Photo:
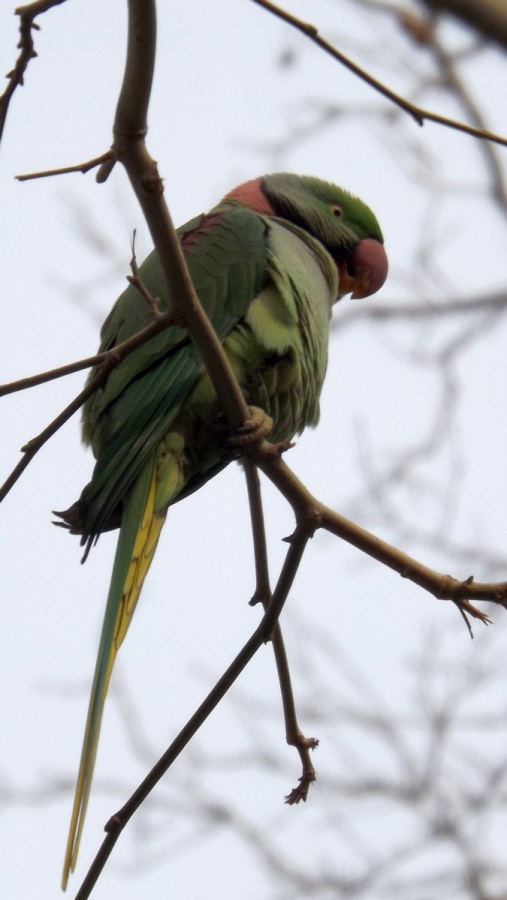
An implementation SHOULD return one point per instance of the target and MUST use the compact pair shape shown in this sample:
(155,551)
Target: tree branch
(311,515)
(293,734)
(67,170)
(129,148)
(419,114)
(26,46)
(106,362)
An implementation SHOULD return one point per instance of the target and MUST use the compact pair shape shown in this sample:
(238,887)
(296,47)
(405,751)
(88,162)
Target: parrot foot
(256,427)
(72,518)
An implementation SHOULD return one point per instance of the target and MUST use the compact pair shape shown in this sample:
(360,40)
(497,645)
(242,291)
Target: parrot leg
(256,427)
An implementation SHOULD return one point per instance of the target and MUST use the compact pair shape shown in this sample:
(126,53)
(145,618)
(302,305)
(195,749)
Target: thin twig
(34,444)
(419,114)
(107,362)
(293,734)
(26,46)
(153,303)
(33,380)
(262,583)
(311,514)
(66,170)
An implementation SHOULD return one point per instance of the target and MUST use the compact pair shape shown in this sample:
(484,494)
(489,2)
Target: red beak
(364,271)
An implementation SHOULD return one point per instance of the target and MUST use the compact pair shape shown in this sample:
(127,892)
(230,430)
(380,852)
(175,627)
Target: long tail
(139,533)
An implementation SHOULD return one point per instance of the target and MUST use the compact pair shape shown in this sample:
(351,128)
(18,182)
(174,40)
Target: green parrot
(268,262)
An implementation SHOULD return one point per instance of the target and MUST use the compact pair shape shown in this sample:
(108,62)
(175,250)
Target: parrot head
(341,222)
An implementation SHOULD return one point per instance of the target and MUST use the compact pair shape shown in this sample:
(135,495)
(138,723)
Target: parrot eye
(336,210)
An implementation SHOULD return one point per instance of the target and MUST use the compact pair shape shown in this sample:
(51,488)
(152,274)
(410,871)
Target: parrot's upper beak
(364,271)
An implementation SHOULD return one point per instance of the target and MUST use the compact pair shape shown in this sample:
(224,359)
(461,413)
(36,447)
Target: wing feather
(226,255)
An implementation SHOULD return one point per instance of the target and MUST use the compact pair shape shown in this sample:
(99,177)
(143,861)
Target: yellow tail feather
(142,552)
(142,555)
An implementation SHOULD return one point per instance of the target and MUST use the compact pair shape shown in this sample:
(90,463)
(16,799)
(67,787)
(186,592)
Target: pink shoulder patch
(192,238)
(251,195)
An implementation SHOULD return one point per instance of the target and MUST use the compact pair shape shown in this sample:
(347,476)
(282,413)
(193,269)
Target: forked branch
(311,515)
(293,734)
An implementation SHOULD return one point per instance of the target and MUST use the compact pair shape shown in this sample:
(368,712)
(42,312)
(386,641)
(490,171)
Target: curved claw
(254,429)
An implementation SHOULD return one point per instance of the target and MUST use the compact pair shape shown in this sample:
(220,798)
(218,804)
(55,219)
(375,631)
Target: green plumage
(267,264)
(227,262)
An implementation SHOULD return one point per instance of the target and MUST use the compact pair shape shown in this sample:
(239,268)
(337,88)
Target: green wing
(227,258)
